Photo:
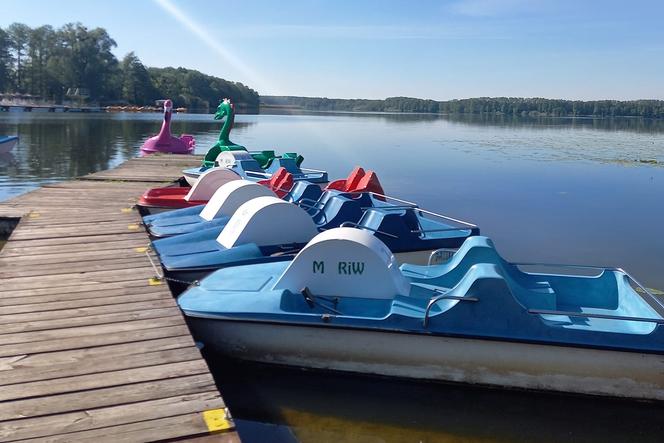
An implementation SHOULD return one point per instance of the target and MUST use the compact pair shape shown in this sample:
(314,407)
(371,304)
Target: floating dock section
(92,347)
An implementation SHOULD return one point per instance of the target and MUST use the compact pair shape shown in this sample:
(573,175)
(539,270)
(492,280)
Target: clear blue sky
(572,49)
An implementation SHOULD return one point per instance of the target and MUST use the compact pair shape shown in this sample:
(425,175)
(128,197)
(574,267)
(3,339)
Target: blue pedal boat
(344,304)
(247,167)
(223,203)
(267,229)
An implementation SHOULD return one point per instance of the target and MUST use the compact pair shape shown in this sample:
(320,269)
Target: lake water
(582,191)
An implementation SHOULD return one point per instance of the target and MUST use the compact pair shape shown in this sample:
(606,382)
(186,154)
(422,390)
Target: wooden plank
(103,379)
(116,395)
(88,320)
(138,274)
(97,365)
(148,331)
(102,418)
(78,357)
(82,332)
(169,428)
(73,292)
(78,311)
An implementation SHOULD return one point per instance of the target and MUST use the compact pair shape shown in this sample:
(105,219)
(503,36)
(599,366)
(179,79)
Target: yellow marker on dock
(154,281)
(34,215)
(126,210)
(132,227)
(142,250)
(217,420)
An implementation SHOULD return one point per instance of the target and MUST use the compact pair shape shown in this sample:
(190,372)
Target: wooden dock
(90,347)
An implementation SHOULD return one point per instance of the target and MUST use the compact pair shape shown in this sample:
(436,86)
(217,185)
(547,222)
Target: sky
(571,49)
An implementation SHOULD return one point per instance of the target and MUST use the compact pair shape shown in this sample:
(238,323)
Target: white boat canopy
(345,262)
(267,221)
(231,195)
(209,182)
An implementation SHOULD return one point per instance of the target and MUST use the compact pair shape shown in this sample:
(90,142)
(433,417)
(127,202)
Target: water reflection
(323,407)
(55,147)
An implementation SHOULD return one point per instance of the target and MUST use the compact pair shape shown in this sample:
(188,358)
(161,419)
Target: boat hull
(495,363)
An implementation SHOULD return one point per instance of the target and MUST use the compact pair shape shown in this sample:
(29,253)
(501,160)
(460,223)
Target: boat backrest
(369,183)
(238,160)
(336,210)
(348,183)
(267,221)
(396,227)
(345,262)
(303,189)
(208,183)
(290,164)
(280,182)
(230,196)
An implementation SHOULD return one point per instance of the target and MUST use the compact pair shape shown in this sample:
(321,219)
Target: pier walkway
(91,346)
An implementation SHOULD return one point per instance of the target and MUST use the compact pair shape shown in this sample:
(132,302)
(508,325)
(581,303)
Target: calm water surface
(554,190)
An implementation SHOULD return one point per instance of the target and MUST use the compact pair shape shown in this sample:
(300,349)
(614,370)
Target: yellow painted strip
(154,281)
(125,210)
(217,420)
(132,227)
(142,250)
(34,215)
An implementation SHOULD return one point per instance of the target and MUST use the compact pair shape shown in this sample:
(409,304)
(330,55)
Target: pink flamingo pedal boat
(164,141)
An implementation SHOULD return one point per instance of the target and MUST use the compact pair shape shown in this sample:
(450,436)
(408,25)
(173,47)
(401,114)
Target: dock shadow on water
(288,405)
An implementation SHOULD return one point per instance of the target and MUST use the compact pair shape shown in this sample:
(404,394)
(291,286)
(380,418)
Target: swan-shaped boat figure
(344,304)
(164,141)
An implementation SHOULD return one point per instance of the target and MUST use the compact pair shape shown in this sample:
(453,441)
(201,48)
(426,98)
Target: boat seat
(281,182)
(303,190)
(336,210)
(368,183)
(349,183)
(264,158)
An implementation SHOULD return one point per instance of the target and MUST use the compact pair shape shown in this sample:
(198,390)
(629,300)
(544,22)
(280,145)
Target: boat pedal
(218,420)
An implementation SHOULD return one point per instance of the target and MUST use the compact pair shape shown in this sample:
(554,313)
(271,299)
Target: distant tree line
(485,105)
(53,64)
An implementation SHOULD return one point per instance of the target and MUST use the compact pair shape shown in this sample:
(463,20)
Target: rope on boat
(161,277)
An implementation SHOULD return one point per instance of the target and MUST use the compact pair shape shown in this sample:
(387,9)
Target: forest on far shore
(483,105)
(76,63)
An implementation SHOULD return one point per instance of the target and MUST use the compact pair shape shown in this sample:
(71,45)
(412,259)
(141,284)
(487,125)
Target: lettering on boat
(343,267)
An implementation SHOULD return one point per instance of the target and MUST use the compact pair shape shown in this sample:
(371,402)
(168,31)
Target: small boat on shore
(7,143)
(344,304)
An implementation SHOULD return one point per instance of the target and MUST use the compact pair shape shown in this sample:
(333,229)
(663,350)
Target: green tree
(19,35)
(137,85)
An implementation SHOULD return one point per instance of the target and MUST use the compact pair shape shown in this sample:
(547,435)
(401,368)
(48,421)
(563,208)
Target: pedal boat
(217,213)
(163,200)
(344,304)
(251,165)
(267,229)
